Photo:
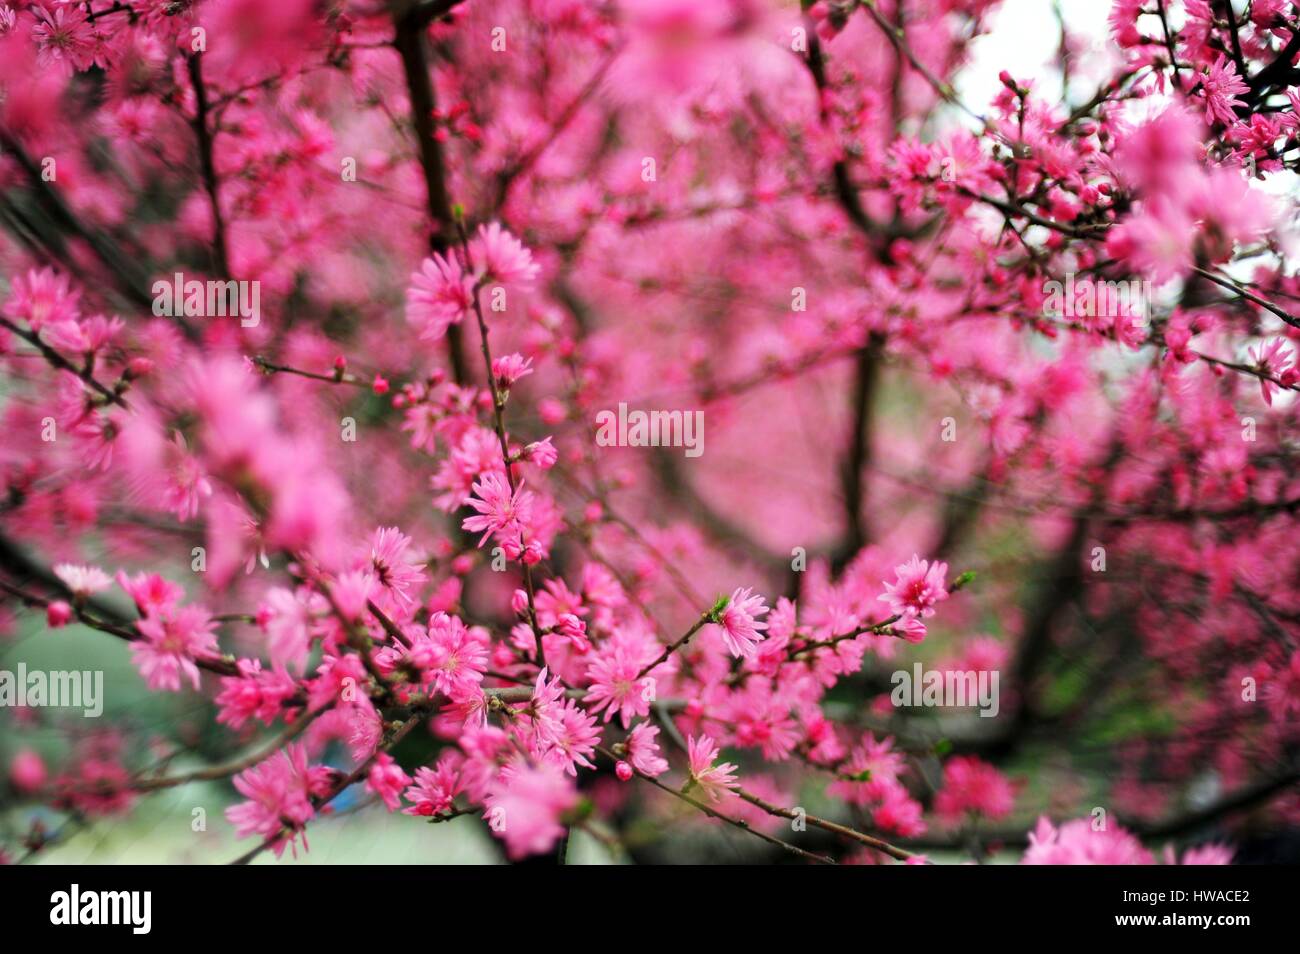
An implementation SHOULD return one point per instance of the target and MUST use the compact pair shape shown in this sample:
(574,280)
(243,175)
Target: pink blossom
(387,780)
(500,257)
(278,797)
(435,789)
(151,592)
(27,772)
(451,659)
(64,37)
(740,628)
(713,780)
(918,587)
(500,511)
(439,295)
(508,369)
(287,624)
(254,694)
(57,614)
(574,741)
(971,786)
(643,750)
(616,684)
(542,453)
(83,581)
(524,807)
(391,564)
(172,642)
(1272,361)
(1080,842)
(1220,87)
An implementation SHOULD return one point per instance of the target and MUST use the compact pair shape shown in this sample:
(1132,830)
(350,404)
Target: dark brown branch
(409,42)
(207,164)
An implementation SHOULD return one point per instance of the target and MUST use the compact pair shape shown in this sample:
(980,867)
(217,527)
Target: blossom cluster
(373,537)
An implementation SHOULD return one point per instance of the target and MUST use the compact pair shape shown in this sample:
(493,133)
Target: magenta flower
(740,628)
(524,805)
(440,294)
(1273,361)
(615,686)
(151,592)
(918,587)
(500,512)
(386,779)
(974,787)
(713,780)
(173,641)
(393,568)
(643,750)
(509,368)
(278,794)
(435,789)
(500,257)
(83,581)
(1220,86)
(1077,842)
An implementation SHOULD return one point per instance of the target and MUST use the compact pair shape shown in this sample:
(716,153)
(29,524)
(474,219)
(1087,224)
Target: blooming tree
(311,308)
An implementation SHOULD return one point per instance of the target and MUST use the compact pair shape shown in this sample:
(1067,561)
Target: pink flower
(525,804)
(83,337)
(1220,87)
(574,630)
(64,36)
(386,779)
(440,295)
(918,587)
(58,614)
(286,622)
(83,581)
(1210,854)
(1157,239)
(643,750)
(899,813)
(509,368)
(448,655)
(172,642)
(499,256)
(254,694)
(541,453)
(615,686)
(1077,842)
(974,787)
(435,789)
(151,592)
(574,741)
(911,629)
(500,511)
(872,768)
(278,797)
(351,593)
(713,780)
(392,567)
(740,630)
(1273,360)
(27,771)
(545,710)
